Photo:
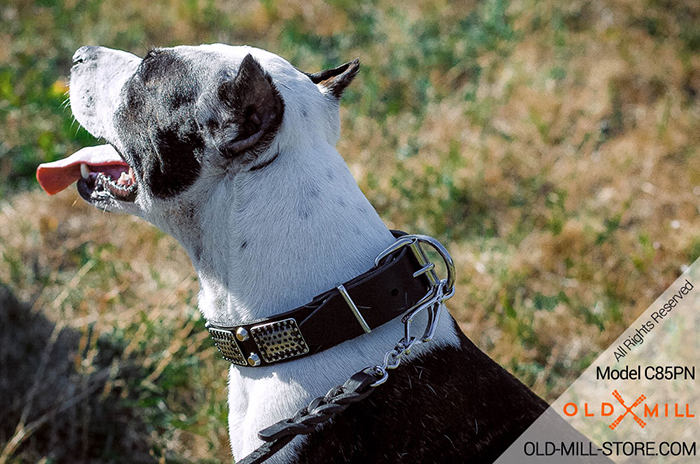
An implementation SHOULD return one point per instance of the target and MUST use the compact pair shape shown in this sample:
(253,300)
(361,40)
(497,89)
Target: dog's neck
(278,236)
(272,240)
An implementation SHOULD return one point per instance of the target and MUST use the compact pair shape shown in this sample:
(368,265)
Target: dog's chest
(257,403)
(260,397)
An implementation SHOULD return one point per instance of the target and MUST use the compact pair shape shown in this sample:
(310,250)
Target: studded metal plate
(279,340)
(225,341)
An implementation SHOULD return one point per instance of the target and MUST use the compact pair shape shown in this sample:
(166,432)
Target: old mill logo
(647,411)
(628,410)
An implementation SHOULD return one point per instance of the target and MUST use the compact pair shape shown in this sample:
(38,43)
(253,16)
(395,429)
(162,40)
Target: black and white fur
(233,154)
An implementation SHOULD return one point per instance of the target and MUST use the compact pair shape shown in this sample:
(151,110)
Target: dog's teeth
(84,170)
(124,179)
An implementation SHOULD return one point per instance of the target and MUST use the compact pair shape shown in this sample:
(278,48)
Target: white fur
(307,228)
(280,270)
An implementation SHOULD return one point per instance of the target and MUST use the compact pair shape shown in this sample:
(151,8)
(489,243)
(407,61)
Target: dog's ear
(254,106)
(335,81)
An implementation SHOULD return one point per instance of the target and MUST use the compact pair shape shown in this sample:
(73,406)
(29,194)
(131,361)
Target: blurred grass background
(552,146)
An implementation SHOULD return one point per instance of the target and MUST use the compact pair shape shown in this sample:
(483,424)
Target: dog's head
(181,120)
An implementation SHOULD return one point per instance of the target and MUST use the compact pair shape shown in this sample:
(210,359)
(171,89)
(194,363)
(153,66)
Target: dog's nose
(85,53)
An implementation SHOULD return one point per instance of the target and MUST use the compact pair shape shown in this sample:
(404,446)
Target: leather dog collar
(396,284)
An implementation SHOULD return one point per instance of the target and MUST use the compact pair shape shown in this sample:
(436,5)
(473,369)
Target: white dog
(231,151)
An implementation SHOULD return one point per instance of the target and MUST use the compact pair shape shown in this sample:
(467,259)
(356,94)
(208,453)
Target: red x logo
(628,410)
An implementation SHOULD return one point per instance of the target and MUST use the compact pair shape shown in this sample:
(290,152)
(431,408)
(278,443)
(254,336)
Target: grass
(553,148)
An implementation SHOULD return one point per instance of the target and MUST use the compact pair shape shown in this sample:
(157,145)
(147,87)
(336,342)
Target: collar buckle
(440,289)
(414,243)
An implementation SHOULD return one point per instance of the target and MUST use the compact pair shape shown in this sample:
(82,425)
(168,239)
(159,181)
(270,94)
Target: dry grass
(553,149)
(118,281)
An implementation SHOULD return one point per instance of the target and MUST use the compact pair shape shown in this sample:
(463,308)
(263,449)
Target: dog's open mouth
(100,171)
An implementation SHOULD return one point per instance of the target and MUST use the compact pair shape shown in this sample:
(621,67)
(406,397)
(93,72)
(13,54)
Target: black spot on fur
(162,141)
(197,251)
(303,208)
(312,190)
(362,210)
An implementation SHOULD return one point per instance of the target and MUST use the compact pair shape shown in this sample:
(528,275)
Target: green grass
(553,148)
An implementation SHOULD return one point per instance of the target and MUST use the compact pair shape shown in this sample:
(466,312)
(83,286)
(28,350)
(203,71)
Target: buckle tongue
(414,243)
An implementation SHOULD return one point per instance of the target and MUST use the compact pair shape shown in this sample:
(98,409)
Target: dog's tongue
(56,176)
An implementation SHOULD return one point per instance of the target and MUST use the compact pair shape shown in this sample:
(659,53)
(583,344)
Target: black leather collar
(348,311)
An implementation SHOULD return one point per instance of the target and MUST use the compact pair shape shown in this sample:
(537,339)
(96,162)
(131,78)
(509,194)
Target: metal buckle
(440,289)
(414,242)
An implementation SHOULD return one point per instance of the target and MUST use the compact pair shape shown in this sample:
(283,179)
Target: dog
(231,150)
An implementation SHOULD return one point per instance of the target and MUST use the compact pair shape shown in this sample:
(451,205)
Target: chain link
(392,358)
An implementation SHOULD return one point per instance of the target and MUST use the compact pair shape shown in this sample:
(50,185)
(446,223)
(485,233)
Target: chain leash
(361,384)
